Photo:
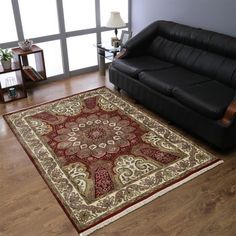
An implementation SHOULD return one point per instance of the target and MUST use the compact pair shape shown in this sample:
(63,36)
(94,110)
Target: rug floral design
(103,157)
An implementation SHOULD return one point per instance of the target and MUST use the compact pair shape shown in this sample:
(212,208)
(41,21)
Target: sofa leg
(117,88)
(169,122)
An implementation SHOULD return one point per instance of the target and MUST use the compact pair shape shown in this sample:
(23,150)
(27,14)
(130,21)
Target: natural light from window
(8,29)
(39,20)
(53,57)
(79,14)
(81,51)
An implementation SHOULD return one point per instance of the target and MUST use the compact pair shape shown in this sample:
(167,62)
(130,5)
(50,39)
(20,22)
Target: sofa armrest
(121,54)
(230,113)
(138,44)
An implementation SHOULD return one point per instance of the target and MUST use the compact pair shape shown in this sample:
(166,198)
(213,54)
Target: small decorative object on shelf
(12,92)
(116,43)
(125,36)
(113,40)
(6,56)
(26,44)
(10,83)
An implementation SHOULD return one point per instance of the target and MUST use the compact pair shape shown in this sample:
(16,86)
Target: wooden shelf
(19,51)
(23,72)
(14,67)
(19,92)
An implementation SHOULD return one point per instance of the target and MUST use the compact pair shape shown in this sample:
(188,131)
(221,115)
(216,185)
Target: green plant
(5,54)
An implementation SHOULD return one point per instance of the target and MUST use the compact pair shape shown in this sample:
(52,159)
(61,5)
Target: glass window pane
(82,51)
(113,5)
(79,14)
(107,35)
(39,18)
(52,57)
(8,28)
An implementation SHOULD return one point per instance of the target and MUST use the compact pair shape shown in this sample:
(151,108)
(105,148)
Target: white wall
(216,15)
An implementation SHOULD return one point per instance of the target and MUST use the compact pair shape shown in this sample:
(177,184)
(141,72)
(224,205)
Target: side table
(105,51)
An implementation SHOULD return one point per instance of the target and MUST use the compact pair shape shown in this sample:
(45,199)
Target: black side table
(105,51)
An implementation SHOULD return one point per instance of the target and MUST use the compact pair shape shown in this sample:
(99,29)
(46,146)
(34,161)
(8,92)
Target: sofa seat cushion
(133,66)
(210,98)
(165,81)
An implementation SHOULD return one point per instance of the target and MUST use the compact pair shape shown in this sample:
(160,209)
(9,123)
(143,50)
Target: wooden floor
(204,206)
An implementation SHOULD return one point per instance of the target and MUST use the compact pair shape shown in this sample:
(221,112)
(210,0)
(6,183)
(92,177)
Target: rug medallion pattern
(100,155)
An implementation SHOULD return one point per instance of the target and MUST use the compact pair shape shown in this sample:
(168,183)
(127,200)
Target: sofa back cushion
(201,51)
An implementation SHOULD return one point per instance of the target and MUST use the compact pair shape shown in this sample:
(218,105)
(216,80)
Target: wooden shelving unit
(21,72)
(30,73)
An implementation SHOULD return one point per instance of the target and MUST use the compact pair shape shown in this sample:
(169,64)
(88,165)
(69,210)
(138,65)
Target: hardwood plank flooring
(204,206)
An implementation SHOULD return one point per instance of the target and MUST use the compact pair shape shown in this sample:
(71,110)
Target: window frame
(63,35)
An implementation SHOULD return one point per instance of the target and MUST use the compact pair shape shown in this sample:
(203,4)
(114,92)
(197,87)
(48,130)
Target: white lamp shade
(115,21)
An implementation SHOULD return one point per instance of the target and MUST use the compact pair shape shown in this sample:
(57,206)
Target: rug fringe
(149,199)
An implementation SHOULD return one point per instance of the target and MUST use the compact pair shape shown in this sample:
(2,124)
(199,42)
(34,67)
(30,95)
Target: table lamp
(115,21)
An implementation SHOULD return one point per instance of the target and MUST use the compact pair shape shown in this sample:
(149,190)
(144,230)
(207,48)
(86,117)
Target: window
(79,14)
(8,29)
(66,30)
(81,51)
(39,18)
(53,57)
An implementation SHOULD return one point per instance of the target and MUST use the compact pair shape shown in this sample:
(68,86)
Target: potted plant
(6,56)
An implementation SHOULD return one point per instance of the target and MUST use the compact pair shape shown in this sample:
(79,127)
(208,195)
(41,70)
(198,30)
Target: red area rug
(102,157)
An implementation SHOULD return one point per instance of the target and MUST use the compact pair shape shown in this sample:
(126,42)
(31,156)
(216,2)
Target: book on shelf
(32,73)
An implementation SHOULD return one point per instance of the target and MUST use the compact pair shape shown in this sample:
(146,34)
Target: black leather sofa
(185,74)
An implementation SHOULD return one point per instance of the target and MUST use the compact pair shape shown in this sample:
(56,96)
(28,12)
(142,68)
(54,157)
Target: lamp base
(115,42)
